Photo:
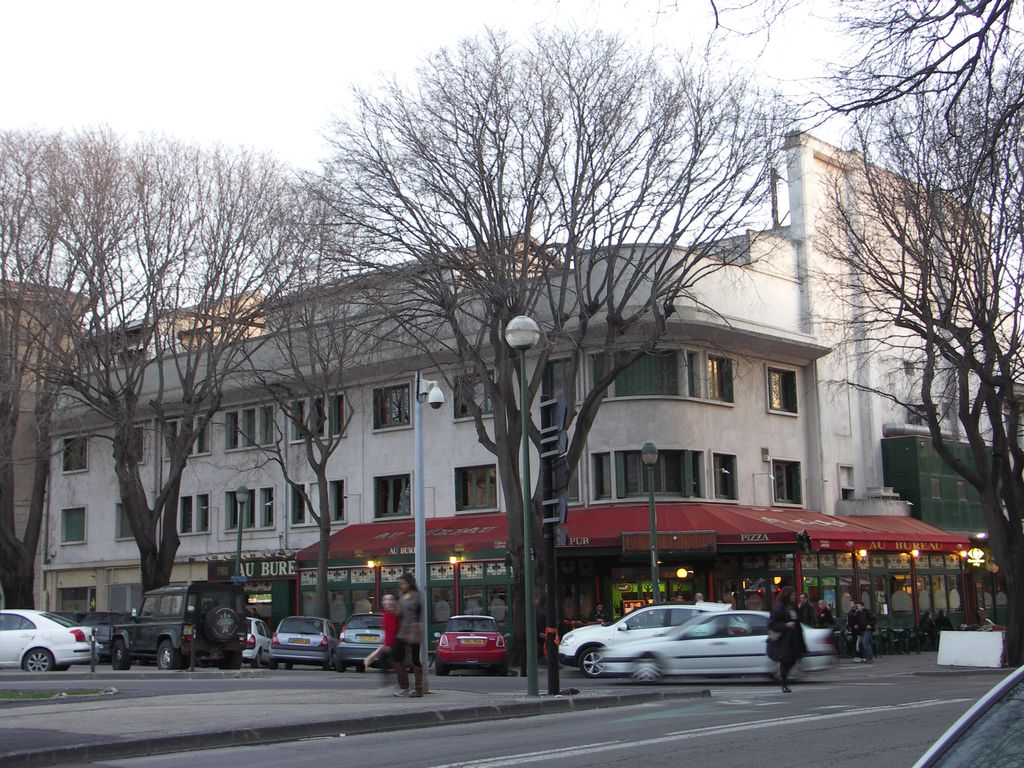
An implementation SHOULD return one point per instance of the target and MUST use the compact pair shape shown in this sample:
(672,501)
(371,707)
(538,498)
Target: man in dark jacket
(807,611)
(865,622)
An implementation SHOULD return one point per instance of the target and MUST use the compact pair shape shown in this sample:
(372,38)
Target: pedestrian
(864,630)
(598,614)
(785,636)
(928,629)
(807,611)
(825,617)
(698,597)
(407,640)
(942,622)
(391,622)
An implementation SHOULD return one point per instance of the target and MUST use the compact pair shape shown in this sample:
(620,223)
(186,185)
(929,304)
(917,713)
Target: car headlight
(567,641)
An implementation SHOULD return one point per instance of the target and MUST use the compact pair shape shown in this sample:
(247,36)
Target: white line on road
(731,728)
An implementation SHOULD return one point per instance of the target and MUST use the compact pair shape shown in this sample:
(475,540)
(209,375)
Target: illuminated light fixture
(682,573)
(862,553)
(963,553)
(981,535)
(976,556)
(371,563)
(915,553)
(776,580)
(453,559)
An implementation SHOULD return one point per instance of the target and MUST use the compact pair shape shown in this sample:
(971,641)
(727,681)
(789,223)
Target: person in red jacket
(389,614)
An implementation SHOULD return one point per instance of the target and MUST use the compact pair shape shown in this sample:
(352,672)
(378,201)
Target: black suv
(206,618)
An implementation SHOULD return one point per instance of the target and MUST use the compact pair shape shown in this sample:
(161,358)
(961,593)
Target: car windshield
(471,625)
(995,738)
(63,621)
(365,622)
(301,625)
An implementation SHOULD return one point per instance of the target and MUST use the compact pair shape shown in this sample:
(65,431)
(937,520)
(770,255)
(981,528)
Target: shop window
(473,600)
(75,598)
(72,525)
(497,602)
(469,391)
(936,484)
(442,600)
(124,597)
(782,390)
(476,488)
(724,468)
(961,490)
(391,406)
(75,454)
(787,483)
(391,496)
(720,379)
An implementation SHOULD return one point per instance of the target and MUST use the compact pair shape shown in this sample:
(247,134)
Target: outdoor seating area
(887,641)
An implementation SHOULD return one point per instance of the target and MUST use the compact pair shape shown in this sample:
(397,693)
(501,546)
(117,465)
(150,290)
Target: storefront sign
(750,537)
(252,569)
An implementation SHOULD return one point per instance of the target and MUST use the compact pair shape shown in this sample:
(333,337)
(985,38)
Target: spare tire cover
(221,623)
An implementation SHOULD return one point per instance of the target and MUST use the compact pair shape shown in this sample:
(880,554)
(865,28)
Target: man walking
(864,629)
(807,611)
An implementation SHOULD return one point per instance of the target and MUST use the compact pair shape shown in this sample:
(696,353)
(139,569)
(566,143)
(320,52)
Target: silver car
(724,643)
(257,643)
(303,640)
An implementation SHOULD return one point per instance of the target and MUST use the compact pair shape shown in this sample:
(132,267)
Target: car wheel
(648,670)
(360,667)
(339,666)
(501,670)
(271,663)
(167,656)
(590,661)
(440,669)
(287,665)
(37,660)
(119,658)
(328,665)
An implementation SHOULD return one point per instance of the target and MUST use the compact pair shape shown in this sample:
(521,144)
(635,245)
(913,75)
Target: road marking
(583,750)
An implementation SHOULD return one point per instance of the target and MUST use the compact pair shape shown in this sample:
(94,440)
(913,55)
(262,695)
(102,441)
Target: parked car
(75,616)
(582,648)
(361,634)
(38,641)
(204,618)
(471,642)
(303,640)
(257,643)
(723,643)
(988,733)
(101,622)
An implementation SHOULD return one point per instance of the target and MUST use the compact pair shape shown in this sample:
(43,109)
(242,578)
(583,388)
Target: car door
(16,632)
(743,651)
(697,646)
(643,625)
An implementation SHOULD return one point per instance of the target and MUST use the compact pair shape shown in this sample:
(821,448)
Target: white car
(726,643)
(38,641)
(257,643)
(582,648)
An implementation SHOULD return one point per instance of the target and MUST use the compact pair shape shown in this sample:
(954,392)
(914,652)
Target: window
(266,507)
(337,501)
(602,476)
(299,513)
(724,467)
(961,489)
(72,525)
(936,488)
(390,406)
(248,427)
(692,374)
(336,417)
(124,528)
(787,482)
(194,513)
(655,373)
(469,390)
(201,444)
(846,486)
(75,455)
(391,496)
(231,511)
(476,488)
(677,473)
(720,378)
(559,381)
(782,390)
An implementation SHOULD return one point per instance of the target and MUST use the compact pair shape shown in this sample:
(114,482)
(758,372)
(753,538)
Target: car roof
(470,616)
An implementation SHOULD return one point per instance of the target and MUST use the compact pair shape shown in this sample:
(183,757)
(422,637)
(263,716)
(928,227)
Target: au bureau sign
(254,569)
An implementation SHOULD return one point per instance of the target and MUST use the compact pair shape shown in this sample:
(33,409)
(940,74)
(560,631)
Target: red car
(471,642)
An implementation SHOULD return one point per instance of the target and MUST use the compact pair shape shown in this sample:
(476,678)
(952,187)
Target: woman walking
(785,637)
(407,641)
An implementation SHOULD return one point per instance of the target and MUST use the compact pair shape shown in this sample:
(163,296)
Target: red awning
(603,527)
(445,535)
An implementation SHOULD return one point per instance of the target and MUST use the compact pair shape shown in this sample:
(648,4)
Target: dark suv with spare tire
(205,618)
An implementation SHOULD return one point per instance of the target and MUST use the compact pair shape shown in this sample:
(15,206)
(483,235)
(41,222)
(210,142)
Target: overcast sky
(271,74)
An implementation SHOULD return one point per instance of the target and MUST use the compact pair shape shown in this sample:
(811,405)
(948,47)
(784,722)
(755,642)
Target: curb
(143,674)
(236,737)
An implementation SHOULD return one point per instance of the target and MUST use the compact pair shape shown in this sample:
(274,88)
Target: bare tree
(32,281)
(176,249)
(575,180)
(928,231)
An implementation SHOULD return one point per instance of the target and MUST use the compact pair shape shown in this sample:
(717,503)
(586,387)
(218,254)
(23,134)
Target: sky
(270,75)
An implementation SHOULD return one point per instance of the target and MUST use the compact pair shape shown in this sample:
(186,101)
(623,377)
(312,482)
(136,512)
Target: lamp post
(241,499)
(426,389)
(521,334)
(649,456)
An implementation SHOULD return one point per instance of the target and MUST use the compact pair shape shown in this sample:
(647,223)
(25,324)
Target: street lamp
(649,456)
(521,334)
(426,390)
(241,499)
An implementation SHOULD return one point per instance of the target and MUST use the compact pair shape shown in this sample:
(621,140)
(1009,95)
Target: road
(887,718)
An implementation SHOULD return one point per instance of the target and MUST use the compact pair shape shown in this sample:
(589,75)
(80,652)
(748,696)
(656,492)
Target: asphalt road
(885,719)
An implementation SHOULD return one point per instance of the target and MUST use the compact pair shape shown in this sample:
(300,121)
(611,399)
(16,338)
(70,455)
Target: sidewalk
(106,727)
